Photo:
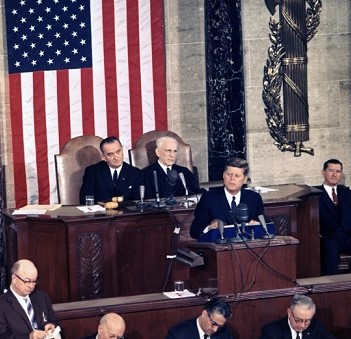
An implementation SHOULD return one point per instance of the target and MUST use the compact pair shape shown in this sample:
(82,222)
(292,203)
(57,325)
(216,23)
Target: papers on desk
(174,295)
(262,189)
(36,209)
(90,209)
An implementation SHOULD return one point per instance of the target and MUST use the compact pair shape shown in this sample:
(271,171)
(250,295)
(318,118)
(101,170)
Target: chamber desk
(88,256)
(124,252)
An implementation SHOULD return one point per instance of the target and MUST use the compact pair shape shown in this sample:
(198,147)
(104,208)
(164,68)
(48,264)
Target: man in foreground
(111,325)
(209,324)
(298,324)
(24,311)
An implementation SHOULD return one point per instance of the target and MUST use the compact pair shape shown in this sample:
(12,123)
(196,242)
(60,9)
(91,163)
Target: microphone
(240,216)
(221,240)
(157,193)
(172,177)
(242,213)
(182,179)
(267,235)
(141,204)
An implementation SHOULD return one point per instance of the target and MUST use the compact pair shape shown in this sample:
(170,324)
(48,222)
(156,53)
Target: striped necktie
(30,312)
(335,197)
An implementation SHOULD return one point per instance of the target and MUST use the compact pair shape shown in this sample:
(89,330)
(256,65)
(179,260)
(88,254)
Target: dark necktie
(335,197)
(31,313)
(233,204)
(298,335)
(167,170)
(115,178)
(205,336)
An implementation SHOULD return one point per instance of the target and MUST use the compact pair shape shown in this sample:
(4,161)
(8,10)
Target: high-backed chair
(143,154)
(75,156)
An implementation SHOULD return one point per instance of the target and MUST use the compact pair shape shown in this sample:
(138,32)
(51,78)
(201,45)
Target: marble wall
(329,94)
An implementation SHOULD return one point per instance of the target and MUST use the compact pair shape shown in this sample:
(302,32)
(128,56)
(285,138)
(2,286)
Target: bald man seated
(111,325)
(25,312)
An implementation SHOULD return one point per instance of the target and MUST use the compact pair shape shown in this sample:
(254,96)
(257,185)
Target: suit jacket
(334,220)
(14,323)
(280,330)
(214,205)
(164,188)
(97,181)
(188,330)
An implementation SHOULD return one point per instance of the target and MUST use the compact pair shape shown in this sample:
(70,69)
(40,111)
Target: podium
(258,265)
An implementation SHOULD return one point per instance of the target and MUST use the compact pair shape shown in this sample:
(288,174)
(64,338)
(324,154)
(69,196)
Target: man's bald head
(111,324)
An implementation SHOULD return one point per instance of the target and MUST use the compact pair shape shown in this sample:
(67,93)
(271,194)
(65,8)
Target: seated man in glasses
(26,312)
(298,324)
(111,325)
(209,324)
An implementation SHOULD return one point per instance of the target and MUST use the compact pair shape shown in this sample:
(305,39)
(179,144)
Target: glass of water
(179,287)
(89,200)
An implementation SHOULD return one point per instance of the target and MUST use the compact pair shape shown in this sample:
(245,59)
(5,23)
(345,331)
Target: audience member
(112,176)
(298,324)
(334,217)
(219,203)
(166,151)
(111,325)
(209,324)
(24,311)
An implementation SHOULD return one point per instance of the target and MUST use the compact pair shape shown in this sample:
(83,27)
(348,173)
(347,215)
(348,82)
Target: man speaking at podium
(219,203)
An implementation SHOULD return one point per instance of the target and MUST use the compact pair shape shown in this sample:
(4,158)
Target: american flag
(80,67)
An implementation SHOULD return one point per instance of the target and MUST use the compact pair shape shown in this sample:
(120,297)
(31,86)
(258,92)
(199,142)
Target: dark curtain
(225,84)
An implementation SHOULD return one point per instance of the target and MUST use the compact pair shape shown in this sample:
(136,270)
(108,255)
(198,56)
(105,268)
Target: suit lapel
(18,308)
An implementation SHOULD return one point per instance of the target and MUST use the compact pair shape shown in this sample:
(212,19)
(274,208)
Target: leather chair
(70,164)
(143,154)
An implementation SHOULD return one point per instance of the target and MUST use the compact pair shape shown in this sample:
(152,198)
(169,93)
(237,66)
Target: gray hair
(304,301)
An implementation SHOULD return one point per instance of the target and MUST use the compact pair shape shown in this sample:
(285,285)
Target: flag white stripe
(122,67)
(99,87)
(146,67)
(75,102)
(29,148)
(52,129)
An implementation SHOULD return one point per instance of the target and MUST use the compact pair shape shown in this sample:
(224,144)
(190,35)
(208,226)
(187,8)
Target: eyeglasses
(300,321)
(213,323)
(170,151)
(27,281)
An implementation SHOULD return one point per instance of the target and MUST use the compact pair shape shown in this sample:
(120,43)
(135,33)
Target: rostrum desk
(122,252)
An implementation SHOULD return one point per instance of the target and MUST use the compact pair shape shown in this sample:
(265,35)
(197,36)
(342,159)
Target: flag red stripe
(87,101)
(110,66)
(63,107)
(40,137)
(159,64)
(134,70)
(17,140)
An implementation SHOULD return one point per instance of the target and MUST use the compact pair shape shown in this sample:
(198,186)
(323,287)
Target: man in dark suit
(334,217)
(210,323)
(220,203)
(168,185)
(111,325)
(112,176)
(299,323)
(25,312)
